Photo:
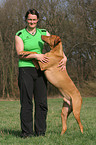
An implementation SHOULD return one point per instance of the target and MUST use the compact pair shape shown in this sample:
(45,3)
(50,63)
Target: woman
(32,81)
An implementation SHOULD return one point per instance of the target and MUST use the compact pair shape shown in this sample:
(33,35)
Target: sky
(1,1)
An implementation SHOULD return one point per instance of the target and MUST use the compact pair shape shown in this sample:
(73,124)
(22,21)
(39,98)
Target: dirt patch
(10,99)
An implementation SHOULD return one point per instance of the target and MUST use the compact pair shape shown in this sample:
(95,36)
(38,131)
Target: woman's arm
(20,47)
(62,63)
(19,44)
(47,33)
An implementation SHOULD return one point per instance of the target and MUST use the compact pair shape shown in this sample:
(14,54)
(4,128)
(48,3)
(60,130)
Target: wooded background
(73,20)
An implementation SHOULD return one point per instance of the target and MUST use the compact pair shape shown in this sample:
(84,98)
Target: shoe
(40,134)
(25,135)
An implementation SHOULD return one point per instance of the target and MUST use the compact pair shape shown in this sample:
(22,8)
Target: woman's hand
(26,55)
(62,64)
(42,58)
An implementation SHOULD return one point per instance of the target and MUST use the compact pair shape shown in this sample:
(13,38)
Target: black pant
(32,81)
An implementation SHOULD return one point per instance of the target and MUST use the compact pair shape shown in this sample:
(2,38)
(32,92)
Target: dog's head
(52,40)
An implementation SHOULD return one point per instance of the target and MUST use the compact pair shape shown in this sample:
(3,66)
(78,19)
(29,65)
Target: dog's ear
(57,40)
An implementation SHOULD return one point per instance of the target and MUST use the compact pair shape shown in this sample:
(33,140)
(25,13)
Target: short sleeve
(43,32)
(19,33)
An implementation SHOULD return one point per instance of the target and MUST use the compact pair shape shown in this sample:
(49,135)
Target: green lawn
(10,125)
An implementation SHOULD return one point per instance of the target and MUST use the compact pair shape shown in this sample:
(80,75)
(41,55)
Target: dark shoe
(25,135)
(40,134)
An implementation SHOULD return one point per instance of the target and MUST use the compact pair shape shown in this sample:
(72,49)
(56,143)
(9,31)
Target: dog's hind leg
(66,110)
(76,111)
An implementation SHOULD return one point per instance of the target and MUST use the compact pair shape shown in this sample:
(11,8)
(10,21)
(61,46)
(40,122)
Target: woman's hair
(33,12)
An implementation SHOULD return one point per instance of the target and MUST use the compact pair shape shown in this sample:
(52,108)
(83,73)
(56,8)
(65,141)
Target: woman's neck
(31,31)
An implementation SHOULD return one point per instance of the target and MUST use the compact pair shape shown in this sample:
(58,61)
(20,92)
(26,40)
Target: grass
(10,125)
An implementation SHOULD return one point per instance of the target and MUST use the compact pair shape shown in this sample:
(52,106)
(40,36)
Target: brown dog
(61,80)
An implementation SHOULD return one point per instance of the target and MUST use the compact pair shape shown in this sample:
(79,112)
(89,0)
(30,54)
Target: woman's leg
(40,98)
(26,91)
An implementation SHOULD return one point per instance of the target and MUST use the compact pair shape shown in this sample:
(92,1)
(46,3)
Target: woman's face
(32,21)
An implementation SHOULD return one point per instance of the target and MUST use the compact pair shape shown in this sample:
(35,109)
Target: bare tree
(73,20)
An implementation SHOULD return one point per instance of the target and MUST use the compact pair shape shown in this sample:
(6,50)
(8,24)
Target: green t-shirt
(32,43)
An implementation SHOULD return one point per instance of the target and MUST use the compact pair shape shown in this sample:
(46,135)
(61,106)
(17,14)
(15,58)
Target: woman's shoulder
(19,32)
(41,30)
